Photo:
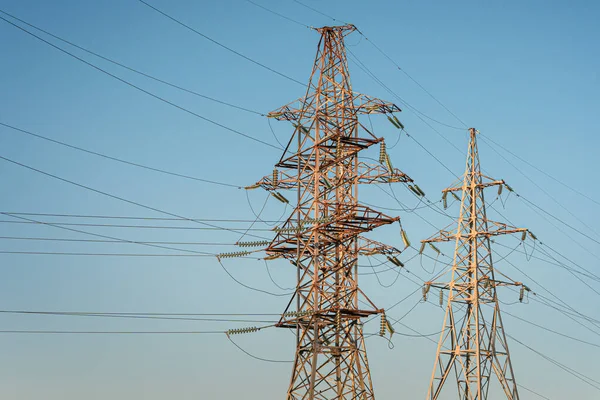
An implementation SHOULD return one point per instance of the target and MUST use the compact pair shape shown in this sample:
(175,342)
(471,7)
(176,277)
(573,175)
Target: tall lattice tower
(321,237)
(473,342)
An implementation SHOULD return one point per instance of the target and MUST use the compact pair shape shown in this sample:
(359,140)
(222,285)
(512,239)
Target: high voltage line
(14,128)
(132,69)
(181,218)
(237,132)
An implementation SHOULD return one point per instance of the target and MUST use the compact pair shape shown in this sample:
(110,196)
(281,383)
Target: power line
(256,357)
(138,87)
(133,69)
(543,172)
(131,316)
(62,312)
(42,332)
(279,15)
(250,287)
(107,237)
(50,253)
(220,44)
(96,216)
(119,159)
(552,331)
(542,190)
(109,241)
(569,370)
(112,196)
(139,226)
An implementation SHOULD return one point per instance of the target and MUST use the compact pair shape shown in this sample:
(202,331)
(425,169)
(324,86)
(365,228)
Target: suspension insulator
(445,200)
(388,162)
(389,327)
(500,190)
(422,248)
(280,197)
(275,177)
(405,238)
(425,290)
(382,324)
(395,261)
(399,124)
(382,153)
(414,190)
(441,297)
(532,235)
(419,191)
(524,235)
(521,294)
(435,248)
(393,122)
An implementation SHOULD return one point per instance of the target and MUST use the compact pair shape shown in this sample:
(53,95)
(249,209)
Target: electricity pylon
(321,236)
(473,342)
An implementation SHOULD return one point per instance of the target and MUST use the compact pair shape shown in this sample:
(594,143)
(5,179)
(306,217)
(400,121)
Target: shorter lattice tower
(472,343)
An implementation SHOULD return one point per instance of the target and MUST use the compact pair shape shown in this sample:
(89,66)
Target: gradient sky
(525,73)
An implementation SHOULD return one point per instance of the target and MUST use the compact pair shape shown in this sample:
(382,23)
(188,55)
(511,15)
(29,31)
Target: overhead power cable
(49,332)
(584,378)
(133,69)
(543,172)
(256,357)
(57,253)
(175,317)
(49,239)
(140,88)
(216,228)
(118,159)
(96,216)
(279,15)
(62,312)
(220,44)
(135,203)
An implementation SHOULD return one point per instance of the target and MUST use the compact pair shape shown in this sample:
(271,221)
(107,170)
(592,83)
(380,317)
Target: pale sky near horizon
(525,73)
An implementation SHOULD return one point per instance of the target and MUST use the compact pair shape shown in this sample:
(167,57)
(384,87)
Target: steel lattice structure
(321,236)
(473,342)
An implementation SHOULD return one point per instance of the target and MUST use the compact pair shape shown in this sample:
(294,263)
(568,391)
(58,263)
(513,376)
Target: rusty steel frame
(473,342)
(321,236)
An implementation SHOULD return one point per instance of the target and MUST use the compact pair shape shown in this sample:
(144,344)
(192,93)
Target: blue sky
(523,73)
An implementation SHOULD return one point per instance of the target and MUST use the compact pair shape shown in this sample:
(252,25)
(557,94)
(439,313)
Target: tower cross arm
(377,173)
(368,247)
(483,184)
(493,229)
(302,107)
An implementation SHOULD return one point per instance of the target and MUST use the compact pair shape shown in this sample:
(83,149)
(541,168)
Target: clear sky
(525,73)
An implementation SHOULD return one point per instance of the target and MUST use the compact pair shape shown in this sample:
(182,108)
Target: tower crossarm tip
(368,247)
(377,173)
(371,105)
(483,184)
